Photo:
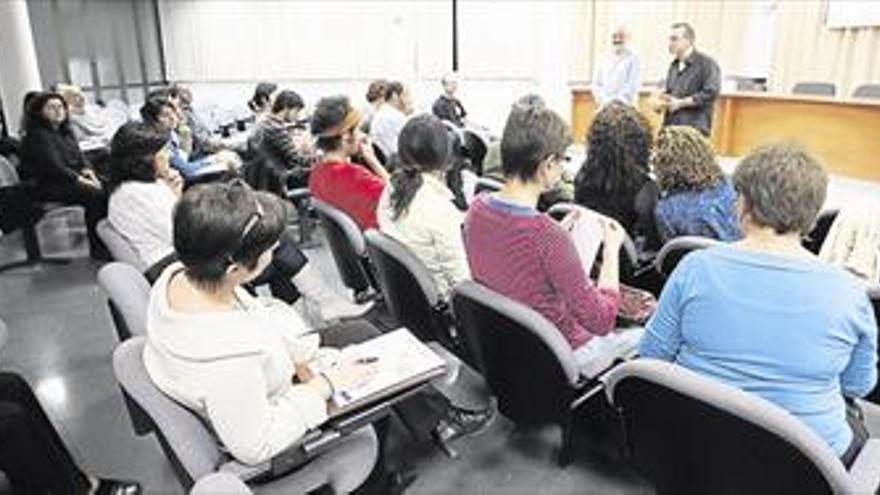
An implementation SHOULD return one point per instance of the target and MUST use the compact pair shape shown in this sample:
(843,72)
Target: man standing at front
(617,78)
(692,83)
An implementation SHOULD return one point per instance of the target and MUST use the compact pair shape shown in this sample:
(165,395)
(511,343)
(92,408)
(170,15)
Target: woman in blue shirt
(765,315)
(696,197)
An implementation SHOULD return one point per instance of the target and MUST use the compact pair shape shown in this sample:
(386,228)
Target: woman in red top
(352,188)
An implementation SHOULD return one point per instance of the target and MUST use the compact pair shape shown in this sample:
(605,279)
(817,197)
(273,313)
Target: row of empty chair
(816,88)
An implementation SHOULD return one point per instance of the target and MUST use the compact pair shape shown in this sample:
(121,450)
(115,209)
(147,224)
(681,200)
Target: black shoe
(462,422)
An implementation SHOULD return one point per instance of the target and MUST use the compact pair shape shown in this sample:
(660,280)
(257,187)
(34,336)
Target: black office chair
(487,185)
(348,248)
(688,433)
(676,249)
(17,200)
(408,290)
(814,239)
(527,362)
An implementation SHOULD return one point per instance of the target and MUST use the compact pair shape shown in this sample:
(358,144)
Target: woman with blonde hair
(696,197)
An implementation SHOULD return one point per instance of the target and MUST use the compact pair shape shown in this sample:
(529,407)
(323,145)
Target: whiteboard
(852,13)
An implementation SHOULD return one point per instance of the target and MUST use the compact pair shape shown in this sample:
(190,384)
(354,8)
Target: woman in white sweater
(228,356)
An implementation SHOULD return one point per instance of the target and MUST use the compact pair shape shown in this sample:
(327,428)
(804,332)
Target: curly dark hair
(618,151)
(684,161)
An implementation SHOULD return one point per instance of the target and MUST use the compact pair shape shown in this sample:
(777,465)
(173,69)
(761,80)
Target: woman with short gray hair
(766,315)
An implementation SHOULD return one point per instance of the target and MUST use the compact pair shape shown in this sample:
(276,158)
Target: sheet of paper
(400,357)
(587,235)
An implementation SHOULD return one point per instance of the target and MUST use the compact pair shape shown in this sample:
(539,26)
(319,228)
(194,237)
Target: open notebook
(636,305)
(402,361)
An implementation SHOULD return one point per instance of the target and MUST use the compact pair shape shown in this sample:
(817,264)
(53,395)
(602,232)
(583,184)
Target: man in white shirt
(390,118)
(619,75)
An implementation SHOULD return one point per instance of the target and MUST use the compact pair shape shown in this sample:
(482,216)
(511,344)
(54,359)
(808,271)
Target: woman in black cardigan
(52,159)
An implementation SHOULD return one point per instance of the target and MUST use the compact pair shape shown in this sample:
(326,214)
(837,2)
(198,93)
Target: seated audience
(375,97)
(33,456)
(765,315)
(163,116)
(203,142)
(141,208)
(53,160)
(92,125)
(213,347)
(615,178)
(350,187)
(261,102)
(696,197)
(522,253)
(273,139)
(417,207)
(448,107)
(390,117)
(145,190)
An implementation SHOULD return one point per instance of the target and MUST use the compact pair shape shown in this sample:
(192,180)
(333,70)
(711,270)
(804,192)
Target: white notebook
(587,235)
(402,361)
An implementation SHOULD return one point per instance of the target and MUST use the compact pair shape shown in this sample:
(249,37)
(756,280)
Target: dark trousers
(32,454)
(94,201)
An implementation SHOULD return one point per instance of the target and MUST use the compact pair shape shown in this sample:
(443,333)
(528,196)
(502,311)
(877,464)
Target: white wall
(506,48)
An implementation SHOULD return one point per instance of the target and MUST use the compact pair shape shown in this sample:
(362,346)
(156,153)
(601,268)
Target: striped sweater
(528,257)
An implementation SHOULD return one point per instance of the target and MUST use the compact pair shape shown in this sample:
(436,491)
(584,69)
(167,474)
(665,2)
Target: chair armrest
(298,193)
(314,443)
(865,471)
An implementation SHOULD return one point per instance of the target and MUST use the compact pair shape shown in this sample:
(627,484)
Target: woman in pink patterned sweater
(525,255)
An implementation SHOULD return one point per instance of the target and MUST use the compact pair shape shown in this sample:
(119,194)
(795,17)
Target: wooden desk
(844,133)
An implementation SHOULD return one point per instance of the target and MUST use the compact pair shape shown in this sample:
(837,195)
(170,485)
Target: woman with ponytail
(417,208)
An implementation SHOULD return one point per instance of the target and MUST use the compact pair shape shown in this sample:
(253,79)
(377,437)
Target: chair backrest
(525,359)
(119,246)
(485,184)
(867,91)
(692,434)
(814,88)
(191,447)
(128,297)
(816,237)
(673,251)
(347,244)
(407,286)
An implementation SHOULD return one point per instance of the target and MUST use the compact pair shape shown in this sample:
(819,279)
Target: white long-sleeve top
(142,212)
(431,229)
(235,369)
